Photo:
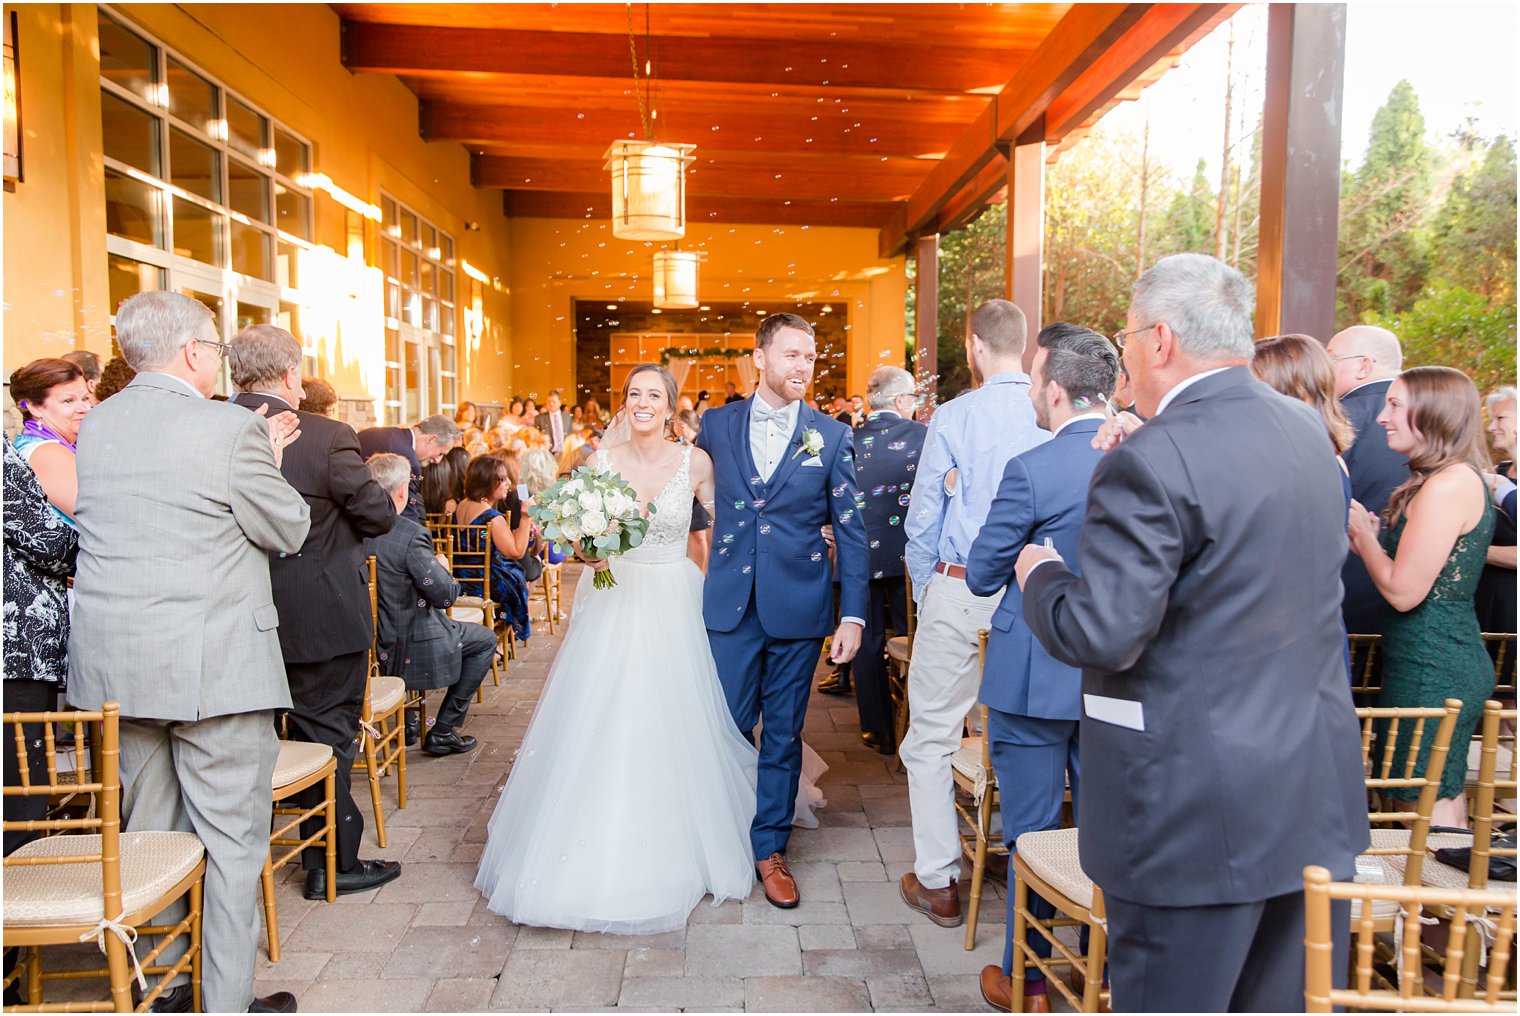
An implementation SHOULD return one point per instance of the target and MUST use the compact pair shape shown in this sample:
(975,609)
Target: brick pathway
(426,942)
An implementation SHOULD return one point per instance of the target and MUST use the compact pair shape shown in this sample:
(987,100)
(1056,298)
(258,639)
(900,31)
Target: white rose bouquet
(595,513)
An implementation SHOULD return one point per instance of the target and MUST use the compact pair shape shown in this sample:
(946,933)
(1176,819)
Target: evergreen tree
(1473,235)
(1189,222)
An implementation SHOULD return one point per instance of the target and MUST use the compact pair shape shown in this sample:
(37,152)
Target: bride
(632,794)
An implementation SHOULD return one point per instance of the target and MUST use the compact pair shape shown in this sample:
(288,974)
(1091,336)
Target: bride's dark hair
(666,377)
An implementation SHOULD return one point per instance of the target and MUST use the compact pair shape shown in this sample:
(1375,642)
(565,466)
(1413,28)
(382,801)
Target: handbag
(1500,869)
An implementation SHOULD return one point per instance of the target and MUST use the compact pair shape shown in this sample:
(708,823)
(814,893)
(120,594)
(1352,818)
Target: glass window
(445,285)
(408,227)
(246,131)
(408,269)
(251,314)
(448,392)
(429,241)
(248,190)
(412,401)
(127,277)
(134,209)
(426,283)
(195,232)
(446,319)
(392,300)
(287,265)
(294,211)
(446,250)
(392,264)
(194,166)
(292,156)
(388,214)
(429,315)
(131,135)
(392,345)
(446,356)
(192,98)
(250,251)
(126,59)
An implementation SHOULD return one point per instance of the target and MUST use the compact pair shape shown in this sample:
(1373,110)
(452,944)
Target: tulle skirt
(632,795)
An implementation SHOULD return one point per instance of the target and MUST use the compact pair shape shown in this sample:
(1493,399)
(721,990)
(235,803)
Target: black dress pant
(477,645)
(887,608)
(24,695)
(327,698)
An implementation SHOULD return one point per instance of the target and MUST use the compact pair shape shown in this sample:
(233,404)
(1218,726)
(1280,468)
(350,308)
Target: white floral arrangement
(595,513)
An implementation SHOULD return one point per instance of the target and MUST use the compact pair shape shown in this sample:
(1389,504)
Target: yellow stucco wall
(284,58)
(556,261)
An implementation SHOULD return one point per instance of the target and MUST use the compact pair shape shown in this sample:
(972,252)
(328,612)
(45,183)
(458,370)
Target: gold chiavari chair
(301,764)
(92,880)
(1047,863)
(899,652)
(1501,647)
(382,722)
(1409,903)
(1366,675)
(971,769)
(1390,758)
(469,553)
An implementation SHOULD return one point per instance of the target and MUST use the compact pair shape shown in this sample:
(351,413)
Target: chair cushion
(1392,866)
(465,612)
(385,694)
(898,647)
(46,895)
(967,759)
(298,759)
(1052,854)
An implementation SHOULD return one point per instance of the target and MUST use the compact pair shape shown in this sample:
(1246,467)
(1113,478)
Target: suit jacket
(397,441)
(1375,471)
(322,590)
(179,505)
(1043,494)
(766,540)
(1207,615)
(886,454)
(418,641)
(544,424)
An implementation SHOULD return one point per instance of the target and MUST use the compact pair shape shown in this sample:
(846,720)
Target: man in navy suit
(890,442)
(1033,701)
(783,472)
(420,445)
(1366,361)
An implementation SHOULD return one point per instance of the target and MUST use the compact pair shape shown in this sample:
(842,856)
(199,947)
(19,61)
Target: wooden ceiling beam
(410,49)
(966,205)
(814,180)
(699,211)
(482,126)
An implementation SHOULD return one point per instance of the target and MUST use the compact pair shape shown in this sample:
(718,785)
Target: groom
(783,471)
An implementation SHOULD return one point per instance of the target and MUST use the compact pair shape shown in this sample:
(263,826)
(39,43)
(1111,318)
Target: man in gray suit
(1220,750)
(180,499)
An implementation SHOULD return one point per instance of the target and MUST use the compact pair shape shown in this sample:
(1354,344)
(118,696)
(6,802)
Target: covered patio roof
(897,117)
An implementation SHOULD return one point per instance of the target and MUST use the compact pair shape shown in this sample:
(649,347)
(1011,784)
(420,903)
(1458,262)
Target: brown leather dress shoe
(997,988)
(777,882)
(942,906)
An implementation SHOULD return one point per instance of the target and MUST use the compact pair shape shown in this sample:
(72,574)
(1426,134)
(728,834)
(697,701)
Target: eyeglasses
(224,348)
(1118,337)
(1355,356)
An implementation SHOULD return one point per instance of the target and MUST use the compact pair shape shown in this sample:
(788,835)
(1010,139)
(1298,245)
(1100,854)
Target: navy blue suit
(1033,700)
(1375,471)
(397,441)
(768,599)
(886,456)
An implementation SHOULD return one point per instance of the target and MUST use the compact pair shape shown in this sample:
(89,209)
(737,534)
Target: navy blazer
(1043,494)
(1220,749)
(766,543)
(886,455)
(397,441)
(1376,470)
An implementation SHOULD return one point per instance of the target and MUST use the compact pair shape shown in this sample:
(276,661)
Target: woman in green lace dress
(1428,561)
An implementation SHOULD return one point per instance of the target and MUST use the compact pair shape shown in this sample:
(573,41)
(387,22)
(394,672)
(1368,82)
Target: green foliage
(1473,235)
(1456,327)
(970,273)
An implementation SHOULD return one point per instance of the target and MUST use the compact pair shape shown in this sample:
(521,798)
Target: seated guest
(1496,588)
(512,420)
(442,485)
(487,481)
(1033,701)
(53,398)
(418,641)
(425,442)
(319,398)
(114,376)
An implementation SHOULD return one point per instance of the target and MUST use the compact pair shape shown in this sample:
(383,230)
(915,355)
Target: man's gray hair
(261,354)
(1207,304)
(152,327)
(391,472)
(1498,397)
(886,384)
(439,427)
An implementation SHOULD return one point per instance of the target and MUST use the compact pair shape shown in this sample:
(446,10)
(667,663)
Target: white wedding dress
(632,794)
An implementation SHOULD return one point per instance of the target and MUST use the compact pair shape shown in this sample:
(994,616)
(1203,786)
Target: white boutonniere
(812,443)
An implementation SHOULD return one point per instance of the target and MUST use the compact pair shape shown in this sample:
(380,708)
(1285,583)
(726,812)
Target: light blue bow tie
(765,414)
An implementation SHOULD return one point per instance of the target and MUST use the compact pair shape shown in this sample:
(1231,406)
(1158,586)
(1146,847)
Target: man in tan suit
(180,498)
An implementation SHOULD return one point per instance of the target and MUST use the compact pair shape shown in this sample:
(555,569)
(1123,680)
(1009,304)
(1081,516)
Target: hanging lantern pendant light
(648,177)
(675,279)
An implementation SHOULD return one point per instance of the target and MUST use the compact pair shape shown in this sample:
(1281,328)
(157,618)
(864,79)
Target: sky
(1461,59)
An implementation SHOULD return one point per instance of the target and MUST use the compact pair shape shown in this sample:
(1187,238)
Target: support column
(1024,260)
(926,318)
(1301,170)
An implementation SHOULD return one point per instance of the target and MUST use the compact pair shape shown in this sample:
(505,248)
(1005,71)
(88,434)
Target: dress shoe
(1079,985)
(942,906)
(451,743)
(413,728)
(997,988)
(178,999)
(836,684)
(368,875)
(777,882)
(280,1001)
(877,743)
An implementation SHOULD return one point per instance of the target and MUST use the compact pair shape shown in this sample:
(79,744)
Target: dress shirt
(878,413)
(770,432)
(1182,386)
(1074,419)
(557,432)
(178,380)
(975,434)
(269,395)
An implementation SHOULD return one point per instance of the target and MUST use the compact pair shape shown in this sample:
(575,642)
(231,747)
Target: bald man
(1366,359)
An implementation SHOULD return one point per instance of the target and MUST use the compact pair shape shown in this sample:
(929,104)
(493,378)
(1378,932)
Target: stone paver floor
(427,943)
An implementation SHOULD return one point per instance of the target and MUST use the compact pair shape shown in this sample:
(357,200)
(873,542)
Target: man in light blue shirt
(970,441)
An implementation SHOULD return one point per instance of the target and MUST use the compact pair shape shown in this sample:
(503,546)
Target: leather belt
(955,571)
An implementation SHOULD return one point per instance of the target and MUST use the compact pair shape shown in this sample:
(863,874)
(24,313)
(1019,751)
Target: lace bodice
(666,538)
